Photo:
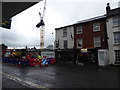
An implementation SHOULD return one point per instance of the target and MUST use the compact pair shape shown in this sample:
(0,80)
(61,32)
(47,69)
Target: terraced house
(113,31)
(64,43)
(90,37)
(81,41)
(92,41)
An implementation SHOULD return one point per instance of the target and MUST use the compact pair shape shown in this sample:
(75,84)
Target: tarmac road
(8,83)
(60,76)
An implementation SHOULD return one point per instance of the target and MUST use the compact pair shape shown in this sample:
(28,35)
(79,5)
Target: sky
(58,13)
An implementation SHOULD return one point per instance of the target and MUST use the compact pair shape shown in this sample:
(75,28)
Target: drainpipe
(75,55)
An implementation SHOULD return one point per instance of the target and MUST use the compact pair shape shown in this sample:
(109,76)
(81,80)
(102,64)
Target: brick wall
(88,34)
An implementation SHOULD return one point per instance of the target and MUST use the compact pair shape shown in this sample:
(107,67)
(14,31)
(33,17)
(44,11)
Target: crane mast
(41,24)
(42,35)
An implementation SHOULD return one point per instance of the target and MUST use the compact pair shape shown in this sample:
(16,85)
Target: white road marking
(24,82)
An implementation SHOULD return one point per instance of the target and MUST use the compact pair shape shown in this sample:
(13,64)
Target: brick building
(81,41)
(89,36)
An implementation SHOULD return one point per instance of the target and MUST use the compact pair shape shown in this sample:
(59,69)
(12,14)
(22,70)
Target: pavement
(62,75)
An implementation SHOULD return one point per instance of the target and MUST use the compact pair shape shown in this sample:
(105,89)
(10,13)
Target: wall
(59,35)
(112,47)
(88,34)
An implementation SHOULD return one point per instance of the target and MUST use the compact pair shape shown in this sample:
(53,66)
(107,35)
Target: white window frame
(97,41)
(79,30)
(79,41)
(116,20)
(65,32)
(116,38)
(96,26)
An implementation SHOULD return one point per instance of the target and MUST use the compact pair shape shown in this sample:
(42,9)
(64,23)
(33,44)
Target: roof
(10,9)
(113,12)
(91,19)
(84,21)
(64,27)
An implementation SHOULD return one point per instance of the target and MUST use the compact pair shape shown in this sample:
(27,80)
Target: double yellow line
(24,82)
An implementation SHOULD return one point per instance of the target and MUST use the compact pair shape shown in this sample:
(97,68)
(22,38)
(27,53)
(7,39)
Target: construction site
(44,47)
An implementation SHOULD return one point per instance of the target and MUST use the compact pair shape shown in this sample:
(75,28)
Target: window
(57,43)
(79,30)
(65,44)
(96,27)
(97,41)
(117,55)
(65,32)
(116,20)
(117,37)
(79,43)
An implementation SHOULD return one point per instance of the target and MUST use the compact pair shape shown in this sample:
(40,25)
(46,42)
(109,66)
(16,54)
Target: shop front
(85,56)
(64,55)
(88,56)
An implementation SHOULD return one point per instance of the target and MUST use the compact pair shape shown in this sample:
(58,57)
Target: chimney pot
(108,8)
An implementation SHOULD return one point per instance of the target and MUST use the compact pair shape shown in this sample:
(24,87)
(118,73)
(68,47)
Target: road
(60,76)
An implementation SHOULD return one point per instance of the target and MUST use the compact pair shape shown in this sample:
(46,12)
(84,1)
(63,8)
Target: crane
(41,24)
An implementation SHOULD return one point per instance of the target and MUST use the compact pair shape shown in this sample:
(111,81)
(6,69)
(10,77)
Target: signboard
(48,54)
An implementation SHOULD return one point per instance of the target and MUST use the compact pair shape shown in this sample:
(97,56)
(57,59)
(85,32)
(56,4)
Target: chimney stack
(108,8)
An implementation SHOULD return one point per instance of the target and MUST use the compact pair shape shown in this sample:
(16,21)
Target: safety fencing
(29,62)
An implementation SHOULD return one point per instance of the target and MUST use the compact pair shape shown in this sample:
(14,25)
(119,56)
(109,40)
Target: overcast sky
(58,13)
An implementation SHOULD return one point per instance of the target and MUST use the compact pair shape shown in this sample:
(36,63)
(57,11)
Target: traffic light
(6,24)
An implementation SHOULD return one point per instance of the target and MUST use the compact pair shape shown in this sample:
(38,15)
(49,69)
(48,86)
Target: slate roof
(91,19)
(84,21)
(113,12)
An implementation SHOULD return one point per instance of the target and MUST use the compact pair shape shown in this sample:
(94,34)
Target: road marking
(24,82)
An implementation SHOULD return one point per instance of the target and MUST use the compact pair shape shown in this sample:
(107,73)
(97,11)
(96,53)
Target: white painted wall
(112,46)
(59,35)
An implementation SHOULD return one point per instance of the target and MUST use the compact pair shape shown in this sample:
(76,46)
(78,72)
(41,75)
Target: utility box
(103,57)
